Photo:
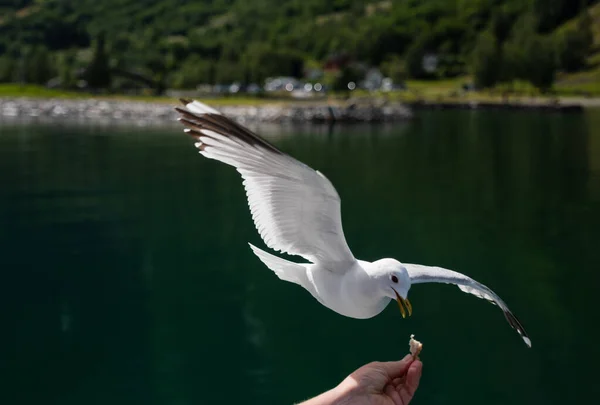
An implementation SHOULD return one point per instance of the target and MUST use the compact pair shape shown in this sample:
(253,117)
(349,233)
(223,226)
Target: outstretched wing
(295,209)
(427,274)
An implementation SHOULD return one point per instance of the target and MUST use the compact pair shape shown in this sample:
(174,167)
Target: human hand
(377,383)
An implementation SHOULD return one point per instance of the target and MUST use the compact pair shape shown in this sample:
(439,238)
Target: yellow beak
(403,303)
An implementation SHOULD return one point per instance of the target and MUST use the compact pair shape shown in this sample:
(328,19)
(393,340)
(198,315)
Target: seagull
(296,211)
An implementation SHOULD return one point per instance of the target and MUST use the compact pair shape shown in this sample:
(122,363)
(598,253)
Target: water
(127,278)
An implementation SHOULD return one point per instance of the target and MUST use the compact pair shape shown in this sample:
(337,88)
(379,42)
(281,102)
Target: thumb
(395,369)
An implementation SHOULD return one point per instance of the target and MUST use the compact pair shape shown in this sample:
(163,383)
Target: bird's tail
(285,270)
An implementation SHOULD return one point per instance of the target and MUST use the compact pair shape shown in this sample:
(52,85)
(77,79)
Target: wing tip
(196,107)
(183,112)
(516,324)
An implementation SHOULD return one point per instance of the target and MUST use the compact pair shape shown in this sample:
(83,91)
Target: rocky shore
(523,105)
(107,111)
(152,112)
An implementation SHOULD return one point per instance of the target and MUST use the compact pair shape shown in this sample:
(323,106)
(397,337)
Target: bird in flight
(296,211)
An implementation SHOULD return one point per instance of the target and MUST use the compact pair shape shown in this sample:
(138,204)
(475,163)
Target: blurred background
(458,133)
(410,48)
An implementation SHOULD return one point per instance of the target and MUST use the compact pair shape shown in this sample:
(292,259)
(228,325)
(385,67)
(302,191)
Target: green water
(127,278)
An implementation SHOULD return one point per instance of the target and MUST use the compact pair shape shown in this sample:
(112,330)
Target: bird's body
(347,292)
(296,210)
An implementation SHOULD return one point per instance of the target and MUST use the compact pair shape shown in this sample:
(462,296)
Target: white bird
(296,210)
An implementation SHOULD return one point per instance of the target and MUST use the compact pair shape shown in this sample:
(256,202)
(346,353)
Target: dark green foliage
(574,45)
(350,73)
(98,72)
(15,4)
(227,71)
(193,72)
(584,25)
(540,62)
(572,50)
(552,12)
(66,68)
(415,55)
(486,61)
(7,69)
(36,66)
(182,43)
(501,24)
(512,66)
(529,56)
(262,61)
(514,50)
(394,67)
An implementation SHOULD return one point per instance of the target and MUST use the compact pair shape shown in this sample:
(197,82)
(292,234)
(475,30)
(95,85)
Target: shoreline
(14,108)
(520,105)
(360,109)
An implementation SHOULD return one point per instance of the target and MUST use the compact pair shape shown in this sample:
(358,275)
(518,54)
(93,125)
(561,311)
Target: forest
(117,45)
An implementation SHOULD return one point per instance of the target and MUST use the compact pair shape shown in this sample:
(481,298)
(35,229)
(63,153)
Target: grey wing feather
(427,274)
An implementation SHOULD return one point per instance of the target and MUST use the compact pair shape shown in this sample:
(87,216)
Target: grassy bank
(443,91)
(33,91)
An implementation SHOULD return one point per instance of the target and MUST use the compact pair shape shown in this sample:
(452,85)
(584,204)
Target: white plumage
(296,210)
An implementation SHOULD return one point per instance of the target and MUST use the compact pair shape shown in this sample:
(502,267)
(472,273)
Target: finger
(391,392)
(399,381)
(395,369)
(413,376)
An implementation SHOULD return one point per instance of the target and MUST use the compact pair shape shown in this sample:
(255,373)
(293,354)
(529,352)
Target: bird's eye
(394,279)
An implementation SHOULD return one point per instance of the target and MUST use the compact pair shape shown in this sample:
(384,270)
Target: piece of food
(415,346)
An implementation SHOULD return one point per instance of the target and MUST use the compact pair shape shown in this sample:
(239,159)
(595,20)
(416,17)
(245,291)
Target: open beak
(403,303)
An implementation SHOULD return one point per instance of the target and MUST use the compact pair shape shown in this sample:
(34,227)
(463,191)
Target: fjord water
(127,278)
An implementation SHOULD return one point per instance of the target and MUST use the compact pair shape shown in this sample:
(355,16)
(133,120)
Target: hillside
(587,81)
(178,43)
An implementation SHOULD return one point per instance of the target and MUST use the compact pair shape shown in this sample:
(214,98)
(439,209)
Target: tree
(414,57)
(157,67)
(393,67)
(273,39)
(38,67)
(574,45)
(540,62)
(529,56)
(65,66)
(571,49)
(551,12)
(193,72)
(511,65)
(349,73)
(486,60)
(262,61)
(98,72)
(500,24)
(514,49)
(548,12)
(7,67)
(585,24)
(227,72)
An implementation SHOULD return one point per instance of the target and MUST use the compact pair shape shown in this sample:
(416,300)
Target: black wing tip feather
(188,116)
(221,125)
(518,326)
(512,320)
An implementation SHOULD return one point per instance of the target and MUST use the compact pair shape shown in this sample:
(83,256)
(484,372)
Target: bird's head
(394,282)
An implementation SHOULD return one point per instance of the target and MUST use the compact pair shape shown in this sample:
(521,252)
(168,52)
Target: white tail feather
(285,270)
